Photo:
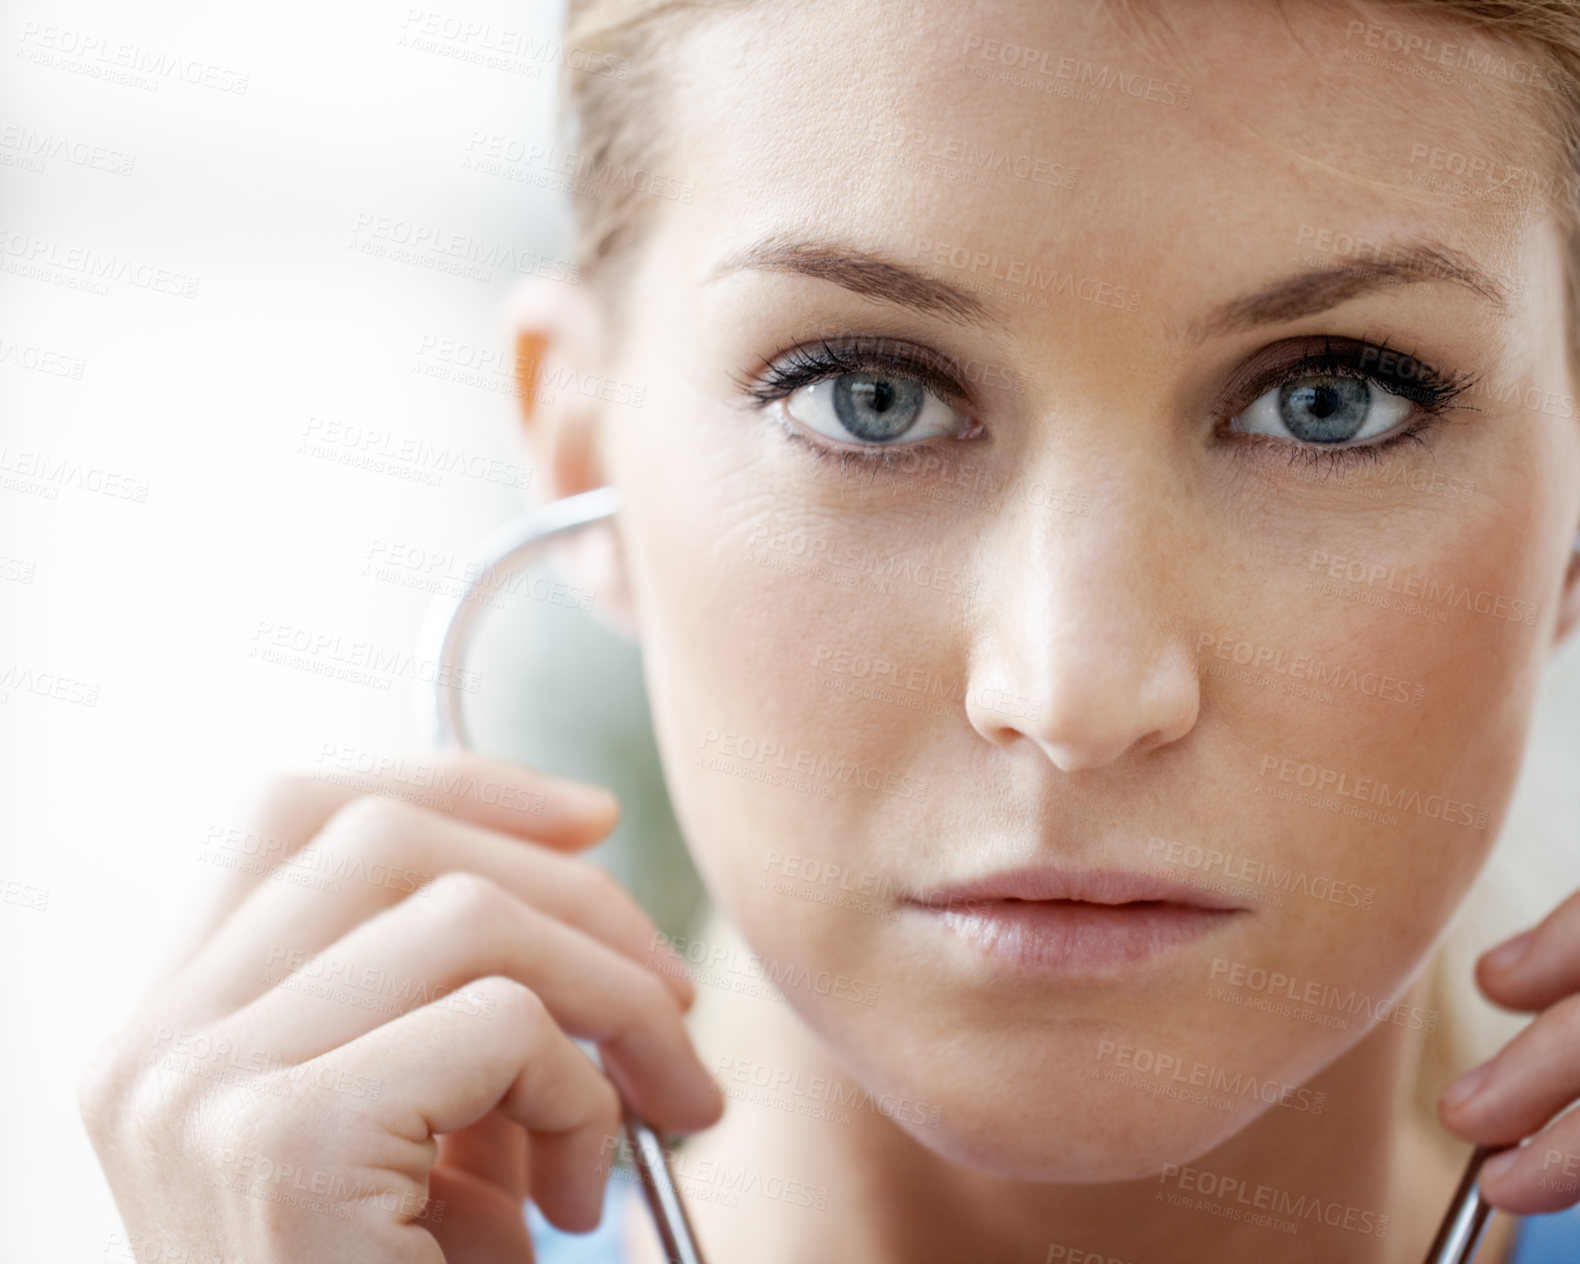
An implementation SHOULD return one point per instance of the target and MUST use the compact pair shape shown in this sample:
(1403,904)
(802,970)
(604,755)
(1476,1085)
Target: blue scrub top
(1540,1239)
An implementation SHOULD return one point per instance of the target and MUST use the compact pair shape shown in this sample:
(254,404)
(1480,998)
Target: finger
(494,1046)
(1541,1176)
(1539,967)
(502,796)
(372,854)
(422,950)
(493,1150)
(289,810)
(271,824)
(481,1224)
(1514,1093)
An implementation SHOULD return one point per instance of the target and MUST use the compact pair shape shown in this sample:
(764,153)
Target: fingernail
(1510,951)
(1498,1164)
(1466,1086)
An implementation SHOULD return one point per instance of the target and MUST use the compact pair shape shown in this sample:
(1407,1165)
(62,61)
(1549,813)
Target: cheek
(792,656)
(1382,701)
(1365,713)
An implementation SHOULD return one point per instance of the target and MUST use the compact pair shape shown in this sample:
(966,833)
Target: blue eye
(873,408)
(1324,408)
(1328,396)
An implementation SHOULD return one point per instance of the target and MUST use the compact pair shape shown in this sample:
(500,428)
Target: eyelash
(1433,393)
(809,362)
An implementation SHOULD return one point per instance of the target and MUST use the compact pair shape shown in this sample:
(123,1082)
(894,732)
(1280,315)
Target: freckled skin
(1101,623)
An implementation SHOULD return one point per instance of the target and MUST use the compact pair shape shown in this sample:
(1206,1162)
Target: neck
(798,1172)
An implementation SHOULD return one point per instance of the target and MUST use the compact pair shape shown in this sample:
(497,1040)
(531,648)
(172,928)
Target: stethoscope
(443,642)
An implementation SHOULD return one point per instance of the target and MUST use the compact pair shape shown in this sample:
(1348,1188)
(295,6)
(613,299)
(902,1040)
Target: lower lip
(1073,937)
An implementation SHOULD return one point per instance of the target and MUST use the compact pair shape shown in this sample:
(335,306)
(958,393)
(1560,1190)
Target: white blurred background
(179,486)
(195,351)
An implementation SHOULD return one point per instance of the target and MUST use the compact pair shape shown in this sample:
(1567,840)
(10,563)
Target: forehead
(1228,132)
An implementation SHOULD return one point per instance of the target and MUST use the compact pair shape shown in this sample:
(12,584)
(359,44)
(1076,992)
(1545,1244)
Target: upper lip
(1089,886)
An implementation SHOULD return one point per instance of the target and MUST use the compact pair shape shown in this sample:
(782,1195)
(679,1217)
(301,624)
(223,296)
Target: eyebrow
(1302,294)
(1317,290)
(860,272)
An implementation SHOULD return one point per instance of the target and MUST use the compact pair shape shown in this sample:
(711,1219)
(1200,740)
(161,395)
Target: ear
(559,336)
(1569,597)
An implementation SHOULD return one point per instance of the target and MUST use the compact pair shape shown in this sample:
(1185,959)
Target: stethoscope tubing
(442,645)
(1459,1235)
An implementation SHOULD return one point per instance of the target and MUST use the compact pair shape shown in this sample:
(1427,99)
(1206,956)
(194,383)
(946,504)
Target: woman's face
(1178,512)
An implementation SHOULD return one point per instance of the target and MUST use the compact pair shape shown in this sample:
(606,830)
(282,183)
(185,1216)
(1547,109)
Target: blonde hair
(618,116)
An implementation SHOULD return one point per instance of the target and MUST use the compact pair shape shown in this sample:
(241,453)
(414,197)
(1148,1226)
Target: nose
(1082,645)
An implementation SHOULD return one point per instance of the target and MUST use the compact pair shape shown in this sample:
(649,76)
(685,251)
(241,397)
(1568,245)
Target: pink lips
(1063,921)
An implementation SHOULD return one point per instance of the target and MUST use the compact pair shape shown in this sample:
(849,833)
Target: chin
(1081,1135)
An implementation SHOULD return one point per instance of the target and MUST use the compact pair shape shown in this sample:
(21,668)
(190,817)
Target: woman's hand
(370,1057)
(1536,1075)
